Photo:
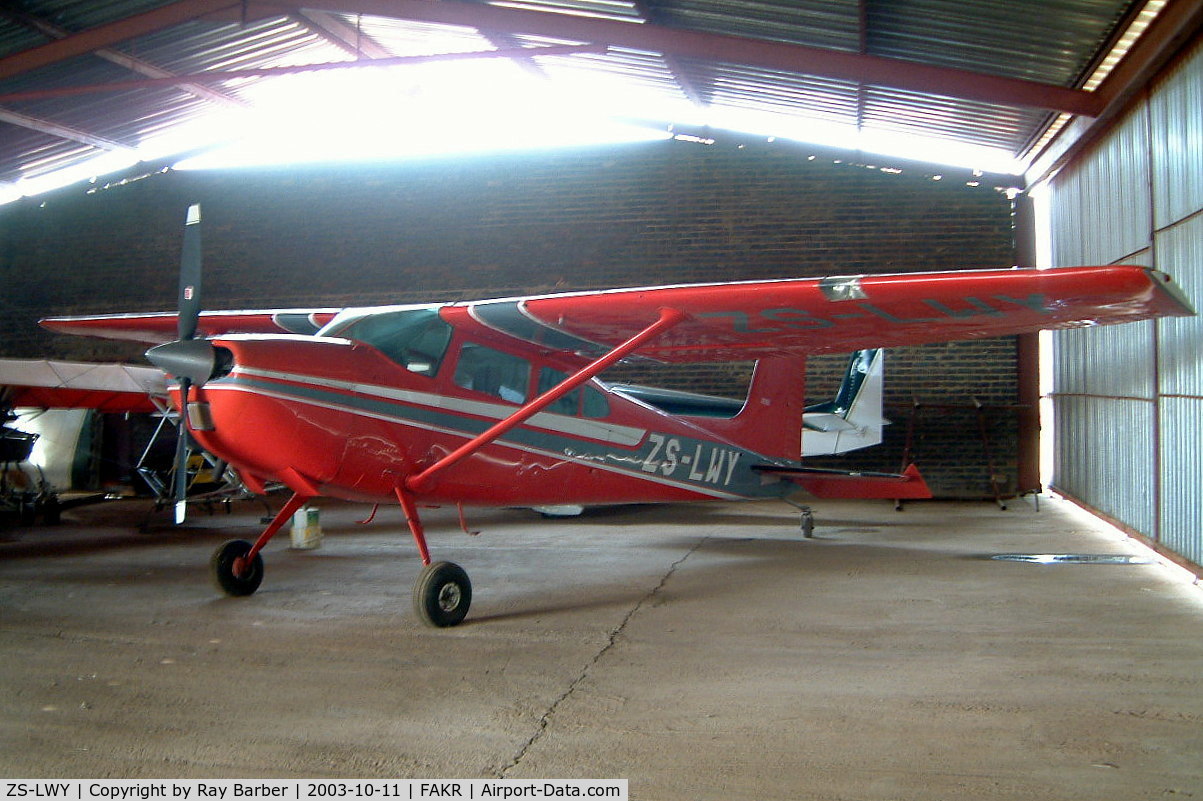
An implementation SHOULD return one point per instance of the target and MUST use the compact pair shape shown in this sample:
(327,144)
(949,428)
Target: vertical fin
(775,421)
(770,421)
(854,418)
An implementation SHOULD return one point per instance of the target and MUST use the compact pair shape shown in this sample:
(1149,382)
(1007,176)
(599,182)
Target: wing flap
(762,319)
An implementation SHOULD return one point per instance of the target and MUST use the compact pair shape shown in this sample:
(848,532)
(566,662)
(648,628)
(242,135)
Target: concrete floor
(700,651)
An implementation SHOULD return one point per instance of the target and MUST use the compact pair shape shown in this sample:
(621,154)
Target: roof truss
(680,50)
(651,37)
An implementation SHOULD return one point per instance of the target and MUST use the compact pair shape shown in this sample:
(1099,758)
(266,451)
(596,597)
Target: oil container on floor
(306,532)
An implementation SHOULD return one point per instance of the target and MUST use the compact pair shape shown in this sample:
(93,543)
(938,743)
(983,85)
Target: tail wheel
(232,572)
(442,595)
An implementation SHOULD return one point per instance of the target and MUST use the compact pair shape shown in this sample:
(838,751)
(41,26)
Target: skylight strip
(1136,29)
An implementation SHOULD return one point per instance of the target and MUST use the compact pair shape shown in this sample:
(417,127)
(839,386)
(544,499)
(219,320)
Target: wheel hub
(450,596)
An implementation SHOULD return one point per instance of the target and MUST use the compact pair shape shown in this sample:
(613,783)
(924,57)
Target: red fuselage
(343,418)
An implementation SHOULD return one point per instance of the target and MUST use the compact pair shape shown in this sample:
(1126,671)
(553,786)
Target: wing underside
(78,385)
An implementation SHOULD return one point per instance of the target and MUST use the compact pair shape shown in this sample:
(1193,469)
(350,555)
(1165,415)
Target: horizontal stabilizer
(854,418)
(826,422)
(824,483)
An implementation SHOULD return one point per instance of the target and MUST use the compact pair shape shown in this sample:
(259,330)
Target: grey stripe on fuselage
(712,468)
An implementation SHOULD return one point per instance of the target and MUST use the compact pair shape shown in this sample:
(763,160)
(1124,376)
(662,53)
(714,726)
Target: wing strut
(668,317)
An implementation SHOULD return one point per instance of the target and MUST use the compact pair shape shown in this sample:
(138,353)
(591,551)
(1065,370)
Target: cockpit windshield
(414,338)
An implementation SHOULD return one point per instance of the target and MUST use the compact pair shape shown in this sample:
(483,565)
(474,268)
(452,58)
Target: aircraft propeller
(190,360)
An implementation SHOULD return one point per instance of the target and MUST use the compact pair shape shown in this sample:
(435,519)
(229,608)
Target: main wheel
(442,595)
(222,565)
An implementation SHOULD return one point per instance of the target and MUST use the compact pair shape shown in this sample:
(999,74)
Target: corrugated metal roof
(80,15)
(1053,41)
(707,53)
(830,24)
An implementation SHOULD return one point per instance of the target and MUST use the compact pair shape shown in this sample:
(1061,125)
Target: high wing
(761,319)
(157,328)
(78,385)
(743,321)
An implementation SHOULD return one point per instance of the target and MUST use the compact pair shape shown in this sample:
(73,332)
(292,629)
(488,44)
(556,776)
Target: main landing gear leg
(443,592)
(237,566)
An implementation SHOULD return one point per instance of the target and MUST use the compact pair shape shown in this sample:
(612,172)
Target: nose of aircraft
(196,360)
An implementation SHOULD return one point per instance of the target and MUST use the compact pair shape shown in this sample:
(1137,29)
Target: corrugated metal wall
(1128,400)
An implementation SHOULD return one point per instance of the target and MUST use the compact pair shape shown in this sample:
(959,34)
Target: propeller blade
(181,458)
(191,360)
(190,274)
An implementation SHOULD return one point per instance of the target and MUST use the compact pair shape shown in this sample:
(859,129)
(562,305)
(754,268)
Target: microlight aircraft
(498,402)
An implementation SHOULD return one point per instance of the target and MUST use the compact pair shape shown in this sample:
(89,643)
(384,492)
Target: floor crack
(611,640)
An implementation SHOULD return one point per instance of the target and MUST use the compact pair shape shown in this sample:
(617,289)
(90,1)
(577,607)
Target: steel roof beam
(675,67)
(505,41)
(766,54)
(102,36)
(335,30)
(296,69)
(840,65)
(59,130)
(129,62)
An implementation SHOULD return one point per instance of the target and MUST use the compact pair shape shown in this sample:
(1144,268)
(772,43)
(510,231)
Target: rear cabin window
(483,369)
(570,403)
(585,400)
(595,404)
(416,339)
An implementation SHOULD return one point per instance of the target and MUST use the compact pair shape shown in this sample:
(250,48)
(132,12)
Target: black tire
(52,511)
(442,595)
(27,512)
(222,567)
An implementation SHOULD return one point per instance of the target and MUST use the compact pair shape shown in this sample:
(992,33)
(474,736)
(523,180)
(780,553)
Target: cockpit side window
(594,403)
(416,339)
(570,403)
(483,369)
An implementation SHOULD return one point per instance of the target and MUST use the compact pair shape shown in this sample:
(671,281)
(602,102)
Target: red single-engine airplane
(497,402)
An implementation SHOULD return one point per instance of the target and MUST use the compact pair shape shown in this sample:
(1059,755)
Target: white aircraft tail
(854,418)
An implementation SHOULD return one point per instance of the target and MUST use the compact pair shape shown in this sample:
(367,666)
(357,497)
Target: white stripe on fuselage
(625,436)
(634,471)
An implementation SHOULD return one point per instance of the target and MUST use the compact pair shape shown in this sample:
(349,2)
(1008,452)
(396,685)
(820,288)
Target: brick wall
(667,212)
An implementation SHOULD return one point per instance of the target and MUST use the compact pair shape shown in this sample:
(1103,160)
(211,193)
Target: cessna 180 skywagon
(497,402)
